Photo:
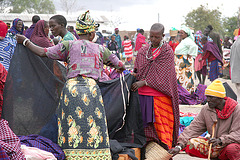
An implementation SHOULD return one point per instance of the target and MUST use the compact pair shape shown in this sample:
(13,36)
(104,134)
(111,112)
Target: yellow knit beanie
(216,89)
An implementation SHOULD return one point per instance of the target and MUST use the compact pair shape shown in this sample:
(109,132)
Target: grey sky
(143,13)
(105,5)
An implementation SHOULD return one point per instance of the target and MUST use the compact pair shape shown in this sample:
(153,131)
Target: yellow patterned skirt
(82,124)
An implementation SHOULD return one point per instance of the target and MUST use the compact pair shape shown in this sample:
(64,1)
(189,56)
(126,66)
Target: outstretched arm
(112,60)
(34,48)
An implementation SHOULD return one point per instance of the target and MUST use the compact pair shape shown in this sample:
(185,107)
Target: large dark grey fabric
(32,92)
(133,130)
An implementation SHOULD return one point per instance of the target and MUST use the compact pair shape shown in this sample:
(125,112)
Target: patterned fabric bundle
(198,147)
(85,24)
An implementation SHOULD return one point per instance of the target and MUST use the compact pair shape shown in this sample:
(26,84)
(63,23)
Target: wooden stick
(213,132)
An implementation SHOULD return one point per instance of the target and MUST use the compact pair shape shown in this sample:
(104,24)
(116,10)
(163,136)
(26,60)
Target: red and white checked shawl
(161,76)
(10,142)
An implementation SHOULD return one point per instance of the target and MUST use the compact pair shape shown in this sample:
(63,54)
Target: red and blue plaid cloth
(9,142)
(3,154)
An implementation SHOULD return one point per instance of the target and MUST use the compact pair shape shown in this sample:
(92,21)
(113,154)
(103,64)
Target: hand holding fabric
(137,85)
(20,38)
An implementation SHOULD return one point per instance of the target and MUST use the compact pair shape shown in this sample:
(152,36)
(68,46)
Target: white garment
(187,47)
(234,61)
(135,38)
(33,153)
(237,85)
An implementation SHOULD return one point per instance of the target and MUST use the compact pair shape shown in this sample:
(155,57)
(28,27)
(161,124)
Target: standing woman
(157,89)
(40,34)
(185,53)
(200,66)
(17,28)
(82,125)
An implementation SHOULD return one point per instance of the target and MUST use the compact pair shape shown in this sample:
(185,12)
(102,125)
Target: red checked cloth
(3,77)
(229,107)
(10,142)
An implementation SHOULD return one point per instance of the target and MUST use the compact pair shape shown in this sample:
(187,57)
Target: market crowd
(166,72)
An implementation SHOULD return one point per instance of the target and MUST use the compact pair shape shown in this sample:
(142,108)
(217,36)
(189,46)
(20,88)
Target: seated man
(226,142)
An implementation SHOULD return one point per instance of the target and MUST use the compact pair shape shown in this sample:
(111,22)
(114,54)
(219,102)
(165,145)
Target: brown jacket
(228,130)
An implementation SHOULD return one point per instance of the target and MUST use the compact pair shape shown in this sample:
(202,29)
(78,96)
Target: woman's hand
(137,85)
(200,59)
(20,38)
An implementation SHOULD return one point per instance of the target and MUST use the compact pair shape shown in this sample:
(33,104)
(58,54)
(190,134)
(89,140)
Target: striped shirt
(127,44)
(7,46)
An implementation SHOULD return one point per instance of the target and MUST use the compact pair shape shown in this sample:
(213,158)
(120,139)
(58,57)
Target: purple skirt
(147,109)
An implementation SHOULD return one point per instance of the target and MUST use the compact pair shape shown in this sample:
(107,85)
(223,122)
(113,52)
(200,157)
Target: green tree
(3,5)
(230,24)
(31,6)
(70,6)
(201,17)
